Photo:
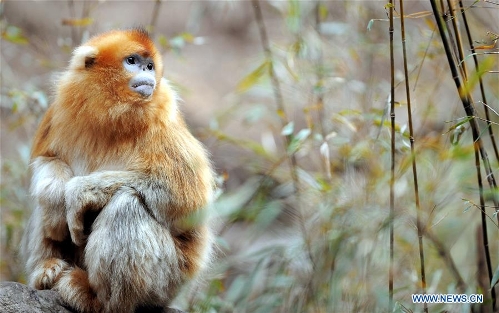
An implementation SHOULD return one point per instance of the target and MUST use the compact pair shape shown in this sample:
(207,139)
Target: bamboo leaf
(288,129)
(342,119)
(303,134)
(188,37)
(461,122)
(323,11)
(431,24)
(254,77)
(296,141)
(251,145)
(14,35)
(78,22)
(495,278)
(370,25)
(486,65)
(163,41)
(419,14)
(267,215)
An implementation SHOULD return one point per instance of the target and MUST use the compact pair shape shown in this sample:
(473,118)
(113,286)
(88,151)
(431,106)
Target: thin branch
(482,88)
(154,18)
(458,45)
(447,258)
(74,36)
(284,121)
(319,86)
(320,61)
(392,166)
(419,224)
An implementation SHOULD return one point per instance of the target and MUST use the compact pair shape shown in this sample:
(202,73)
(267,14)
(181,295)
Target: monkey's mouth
(143,85)
(144,89)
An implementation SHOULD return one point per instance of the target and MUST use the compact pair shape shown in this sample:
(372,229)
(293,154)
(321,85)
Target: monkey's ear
(83,57)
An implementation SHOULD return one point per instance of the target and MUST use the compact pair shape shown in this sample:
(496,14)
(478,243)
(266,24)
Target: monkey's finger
(78,237)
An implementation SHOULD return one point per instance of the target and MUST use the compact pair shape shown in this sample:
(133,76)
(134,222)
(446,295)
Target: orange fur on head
(93,94)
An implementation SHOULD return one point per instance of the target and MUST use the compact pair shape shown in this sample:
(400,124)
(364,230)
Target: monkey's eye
(150,66)
(130,60)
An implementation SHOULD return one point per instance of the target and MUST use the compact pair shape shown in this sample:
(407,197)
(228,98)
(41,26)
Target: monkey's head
(117,67)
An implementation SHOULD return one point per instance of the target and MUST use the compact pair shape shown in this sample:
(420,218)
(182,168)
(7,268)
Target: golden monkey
(121,186)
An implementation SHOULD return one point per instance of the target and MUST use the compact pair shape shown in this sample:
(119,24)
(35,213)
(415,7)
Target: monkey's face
(116,71)
(143,80)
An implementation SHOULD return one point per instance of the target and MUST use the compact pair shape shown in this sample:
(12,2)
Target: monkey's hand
(48,183)
(87,195)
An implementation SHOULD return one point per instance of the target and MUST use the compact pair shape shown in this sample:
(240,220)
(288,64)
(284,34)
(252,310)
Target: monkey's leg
(48,185)
(193,247)
(75,290)
(130,257)
(44,256)
(46,234)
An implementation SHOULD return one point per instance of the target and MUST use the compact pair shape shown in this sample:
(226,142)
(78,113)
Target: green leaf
(303,134)
(251,145)
(293,18)
(14,35)
(188,37)
(267,215)
(163,41)
(297,140)
(78,22)
(323,11)
(255,114)
(495,278)
(484,67)
(462,121)
(177,42)
(370,25)
(457,130)
(254,77)
(288,129)
(237,290)
(231,203)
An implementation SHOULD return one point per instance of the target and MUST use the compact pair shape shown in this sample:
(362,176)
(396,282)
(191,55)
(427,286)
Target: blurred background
(292,100)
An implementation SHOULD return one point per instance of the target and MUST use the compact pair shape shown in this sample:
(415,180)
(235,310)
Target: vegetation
(366,135)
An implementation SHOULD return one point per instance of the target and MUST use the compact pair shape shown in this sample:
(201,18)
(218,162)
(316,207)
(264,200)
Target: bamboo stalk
(392,165)
(319,64)
(483,214)
(154,17)
(470,112)
(480,81)
(458,42)
(419,224)
(467,105)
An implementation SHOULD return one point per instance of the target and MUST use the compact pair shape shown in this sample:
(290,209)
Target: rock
(19,298)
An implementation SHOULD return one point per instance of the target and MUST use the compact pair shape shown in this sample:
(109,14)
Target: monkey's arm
(50,175)
(93,192)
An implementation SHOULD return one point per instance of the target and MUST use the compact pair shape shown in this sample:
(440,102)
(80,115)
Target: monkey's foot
(75,290)
(47,273)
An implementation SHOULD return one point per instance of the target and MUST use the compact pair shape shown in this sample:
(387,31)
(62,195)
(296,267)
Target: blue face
(143,82)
